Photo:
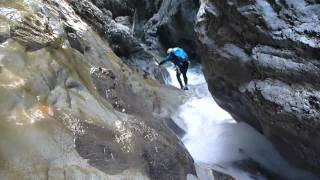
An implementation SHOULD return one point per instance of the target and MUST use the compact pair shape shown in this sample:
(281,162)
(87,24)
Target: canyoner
(85,95)
(180,59)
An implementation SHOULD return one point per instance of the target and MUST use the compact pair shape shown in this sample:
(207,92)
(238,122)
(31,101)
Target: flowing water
(217,141)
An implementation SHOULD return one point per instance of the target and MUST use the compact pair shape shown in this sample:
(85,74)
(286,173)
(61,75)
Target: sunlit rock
(71,108)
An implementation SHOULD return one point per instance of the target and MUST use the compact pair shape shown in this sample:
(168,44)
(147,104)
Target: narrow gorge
(82,95)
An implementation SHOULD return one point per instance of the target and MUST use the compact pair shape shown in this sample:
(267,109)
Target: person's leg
(184,72)
(179,79)
(185,78)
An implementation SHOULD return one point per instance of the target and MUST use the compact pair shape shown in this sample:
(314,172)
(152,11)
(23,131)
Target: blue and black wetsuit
(179,58)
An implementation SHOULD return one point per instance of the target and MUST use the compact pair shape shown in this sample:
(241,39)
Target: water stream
(217,141)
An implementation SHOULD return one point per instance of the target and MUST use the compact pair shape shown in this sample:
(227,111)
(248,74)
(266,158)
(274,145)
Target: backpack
(180,54)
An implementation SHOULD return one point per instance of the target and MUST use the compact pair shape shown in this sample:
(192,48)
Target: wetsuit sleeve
(166,59)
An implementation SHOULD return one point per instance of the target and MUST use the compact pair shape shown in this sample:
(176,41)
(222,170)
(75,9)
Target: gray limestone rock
(261,61)
(62,119)
(121,40)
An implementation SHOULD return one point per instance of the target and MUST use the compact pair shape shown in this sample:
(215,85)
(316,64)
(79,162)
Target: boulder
(121,40)
(72,109)
(261,61)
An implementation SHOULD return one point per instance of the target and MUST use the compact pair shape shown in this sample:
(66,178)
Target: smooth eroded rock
(261,61)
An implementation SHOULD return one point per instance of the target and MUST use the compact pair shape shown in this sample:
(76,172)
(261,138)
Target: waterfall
(217,141)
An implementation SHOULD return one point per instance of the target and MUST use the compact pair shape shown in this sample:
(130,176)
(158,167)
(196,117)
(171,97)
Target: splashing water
(216,141)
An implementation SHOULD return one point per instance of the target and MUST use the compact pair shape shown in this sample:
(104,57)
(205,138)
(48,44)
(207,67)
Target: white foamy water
(215,140)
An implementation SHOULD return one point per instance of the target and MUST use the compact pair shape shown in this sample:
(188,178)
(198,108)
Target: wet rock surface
(209,173)
(221,176)
(82,95)
(121,39)
(71,108)
(261,61)
(255,169)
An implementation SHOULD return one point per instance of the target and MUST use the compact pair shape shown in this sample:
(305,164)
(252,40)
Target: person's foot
(185,88)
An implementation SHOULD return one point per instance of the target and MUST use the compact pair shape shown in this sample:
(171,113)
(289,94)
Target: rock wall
(172,25)
(70,108)
(261,61)
(81,95)
(145,29)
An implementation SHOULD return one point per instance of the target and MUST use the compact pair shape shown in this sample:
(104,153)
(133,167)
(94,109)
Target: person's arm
(166,59)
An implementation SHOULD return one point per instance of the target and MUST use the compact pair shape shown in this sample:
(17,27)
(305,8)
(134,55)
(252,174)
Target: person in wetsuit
(180,59)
